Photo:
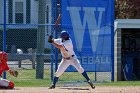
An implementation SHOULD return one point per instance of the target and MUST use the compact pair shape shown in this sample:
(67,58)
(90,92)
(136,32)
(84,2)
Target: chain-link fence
(25,26)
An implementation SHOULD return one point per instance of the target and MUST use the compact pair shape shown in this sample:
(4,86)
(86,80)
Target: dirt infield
(99,89)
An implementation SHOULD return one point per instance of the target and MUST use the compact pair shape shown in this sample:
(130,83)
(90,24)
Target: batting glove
(50,39)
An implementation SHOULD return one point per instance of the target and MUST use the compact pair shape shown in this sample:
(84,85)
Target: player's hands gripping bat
(50,39)
(13,73)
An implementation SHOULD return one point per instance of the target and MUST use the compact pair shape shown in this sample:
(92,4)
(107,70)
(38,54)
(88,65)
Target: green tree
(124,9)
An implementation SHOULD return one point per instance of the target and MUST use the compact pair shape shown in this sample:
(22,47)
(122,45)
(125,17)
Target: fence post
(112,40)
(19,63)
(40,40)
(4,33)
(33,60)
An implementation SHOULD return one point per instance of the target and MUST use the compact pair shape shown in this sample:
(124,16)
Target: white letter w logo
(90,20)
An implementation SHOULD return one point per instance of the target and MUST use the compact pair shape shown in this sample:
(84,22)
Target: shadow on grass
(75,88)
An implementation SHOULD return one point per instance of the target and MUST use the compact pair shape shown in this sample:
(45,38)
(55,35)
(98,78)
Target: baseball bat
(56,23)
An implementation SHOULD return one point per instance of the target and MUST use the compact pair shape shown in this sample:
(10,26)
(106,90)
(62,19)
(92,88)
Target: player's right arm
(56,42)
(57,45)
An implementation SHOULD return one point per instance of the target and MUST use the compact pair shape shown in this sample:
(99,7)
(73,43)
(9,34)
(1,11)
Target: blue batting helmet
(64,35)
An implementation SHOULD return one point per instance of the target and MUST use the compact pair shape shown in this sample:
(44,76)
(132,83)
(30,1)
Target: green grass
(27,78)
(121,83)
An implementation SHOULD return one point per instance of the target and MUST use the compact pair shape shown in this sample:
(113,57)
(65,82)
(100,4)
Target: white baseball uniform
(68,57)
(4,82)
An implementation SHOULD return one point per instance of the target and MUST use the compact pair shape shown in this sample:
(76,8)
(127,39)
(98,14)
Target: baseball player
(4,67)
(68,57)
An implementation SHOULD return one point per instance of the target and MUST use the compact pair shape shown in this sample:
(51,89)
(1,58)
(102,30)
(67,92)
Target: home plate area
(98,89)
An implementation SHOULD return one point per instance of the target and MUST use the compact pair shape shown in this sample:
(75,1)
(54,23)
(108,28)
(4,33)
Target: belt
(67,58)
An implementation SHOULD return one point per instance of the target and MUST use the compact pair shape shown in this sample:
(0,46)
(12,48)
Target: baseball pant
(65,63)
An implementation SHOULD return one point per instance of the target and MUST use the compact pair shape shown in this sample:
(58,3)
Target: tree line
(127,9)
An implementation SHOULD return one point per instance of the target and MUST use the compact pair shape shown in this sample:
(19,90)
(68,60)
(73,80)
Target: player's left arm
(57,45)
(13,72)
(7,68)
(51,40)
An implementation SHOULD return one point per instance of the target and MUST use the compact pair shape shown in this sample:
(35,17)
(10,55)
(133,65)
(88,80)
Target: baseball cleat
(91,84)
(52,87)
